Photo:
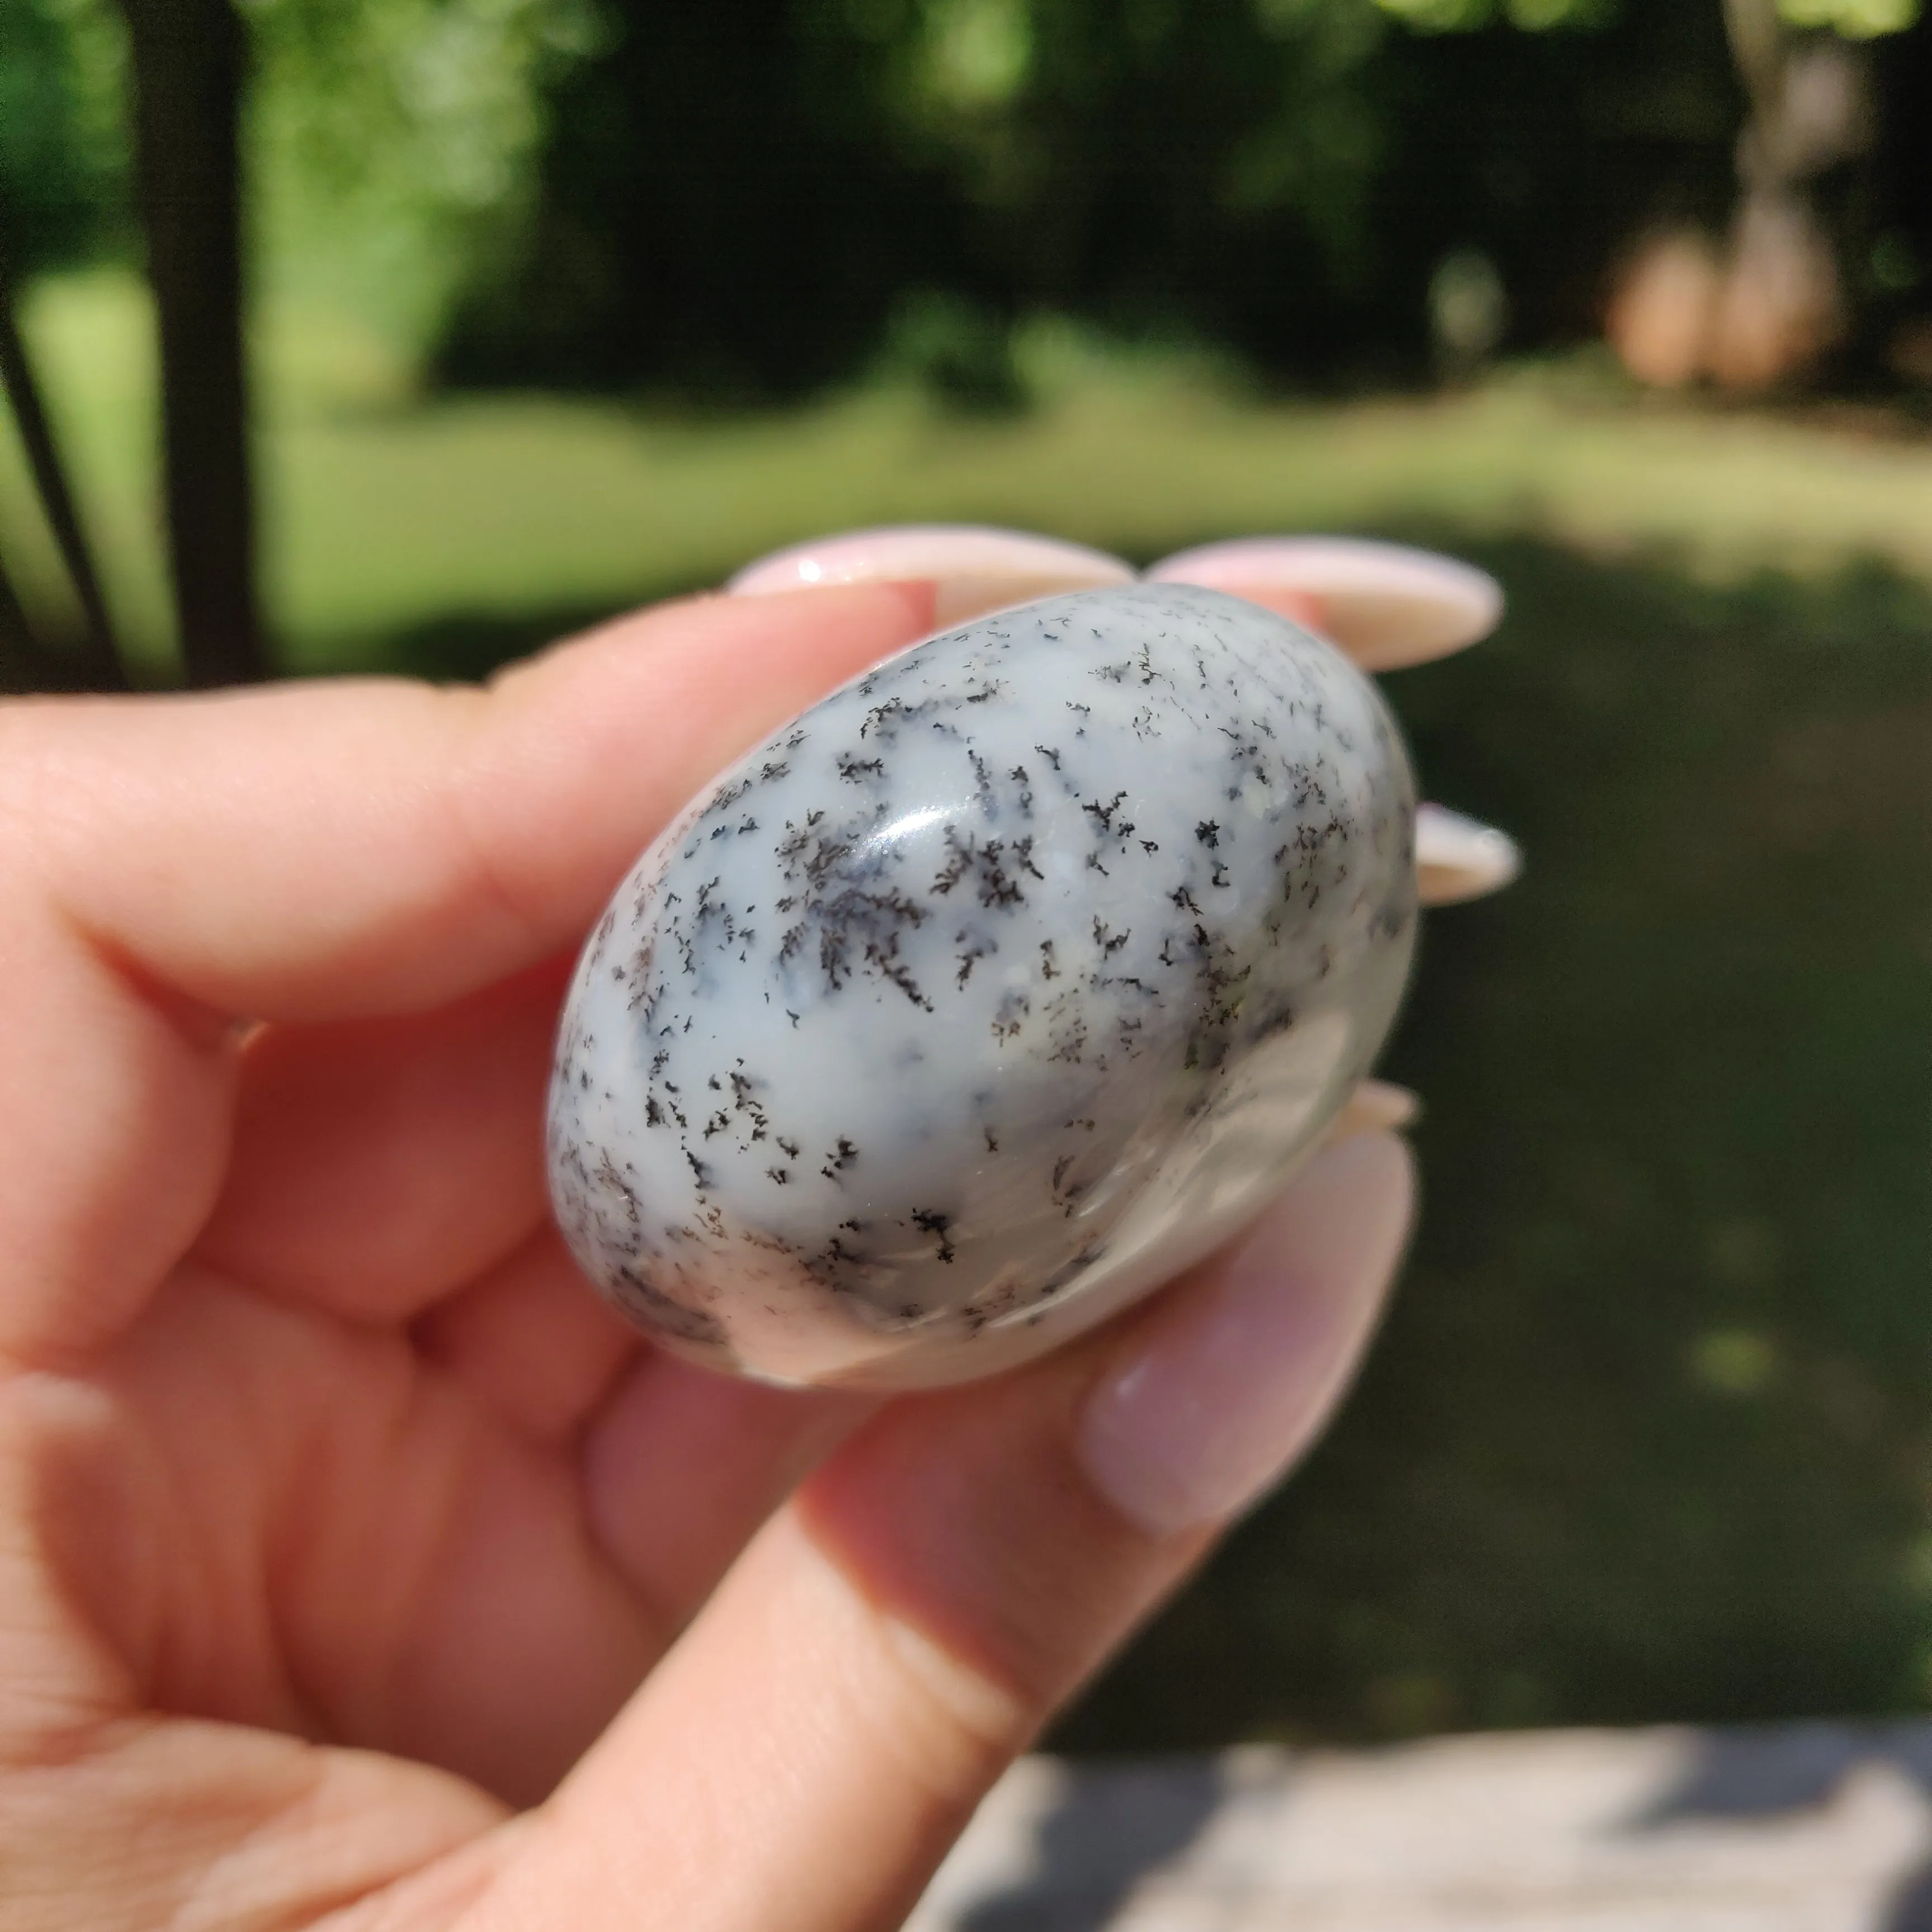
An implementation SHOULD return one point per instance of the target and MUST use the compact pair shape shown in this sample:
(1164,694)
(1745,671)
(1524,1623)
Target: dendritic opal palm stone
(1010,978)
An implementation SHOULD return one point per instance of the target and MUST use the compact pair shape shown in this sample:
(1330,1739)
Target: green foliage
(751,196)
(1856,19)
(969,56)
(746,197)
(391,140)
(1535,16)
(63,149)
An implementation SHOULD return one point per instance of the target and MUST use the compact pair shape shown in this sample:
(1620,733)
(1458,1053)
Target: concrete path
(1809,1827)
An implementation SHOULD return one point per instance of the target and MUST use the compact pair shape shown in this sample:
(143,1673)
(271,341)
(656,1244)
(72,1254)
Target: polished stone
(1013,976)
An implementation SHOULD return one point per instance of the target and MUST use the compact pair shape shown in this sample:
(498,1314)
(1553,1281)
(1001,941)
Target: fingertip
(1215,1394)
(972,568)
(1388,605)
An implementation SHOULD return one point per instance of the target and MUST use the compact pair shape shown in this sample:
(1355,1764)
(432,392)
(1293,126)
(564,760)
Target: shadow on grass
(1648,1433)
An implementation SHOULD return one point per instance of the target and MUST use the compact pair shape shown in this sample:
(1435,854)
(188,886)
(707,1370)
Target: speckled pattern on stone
(1009,978)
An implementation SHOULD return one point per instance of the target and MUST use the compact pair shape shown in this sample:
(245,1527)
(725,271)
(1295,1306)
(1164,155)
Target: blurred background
(404,335)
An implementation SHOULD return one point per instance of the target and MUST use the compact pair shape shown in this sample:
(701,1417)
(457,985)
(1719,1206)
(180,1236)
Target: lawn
(386,515)
(1649,1434)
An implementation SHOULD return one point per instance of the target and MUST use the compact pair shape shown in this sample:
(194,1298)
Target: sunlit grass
(384,513)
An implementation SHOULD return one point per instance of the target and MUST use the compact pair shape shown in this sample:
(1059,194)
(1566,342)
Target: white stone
(1014,976)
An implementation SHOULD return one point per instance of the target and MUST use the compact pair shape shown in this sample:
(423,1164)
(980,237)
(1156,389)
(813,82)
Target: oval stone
(1012,977)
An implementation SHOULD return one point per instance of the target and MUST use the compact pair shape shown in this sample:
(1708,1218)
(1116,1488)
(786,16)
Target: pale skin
(358,1568)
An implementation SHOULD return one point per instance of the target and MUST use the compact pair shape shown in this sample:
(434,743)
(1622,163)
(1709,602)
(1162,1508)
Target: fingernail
(1226,1383)
(1386,604)
(1458,858)
(976,569)
(1376,1104)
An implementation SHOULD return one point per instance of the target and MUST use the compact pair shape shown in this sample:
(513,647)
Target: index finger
(319,852)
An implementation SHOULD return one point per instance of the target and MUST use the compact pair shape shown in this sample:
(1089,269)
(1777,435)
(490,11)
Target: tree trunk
(189,57)
(1782,305)
(20,665)
(100,667)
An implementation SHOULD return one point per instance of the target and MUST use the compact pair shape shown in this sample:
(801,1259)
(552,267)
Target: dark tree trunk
(20,665)
(189,58)
(100,665)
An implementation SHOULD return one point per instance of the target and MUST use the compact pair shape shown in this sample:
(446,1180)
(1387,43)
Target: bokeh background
(485,318)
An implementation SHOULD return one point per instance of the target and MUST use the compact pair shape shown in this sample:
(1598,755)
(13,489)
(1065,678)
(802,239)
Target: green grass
(1648,1435)
(385,515)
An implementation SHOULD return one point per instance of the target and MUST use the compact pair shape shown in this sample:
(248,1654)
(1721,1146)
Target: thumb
(805,1756)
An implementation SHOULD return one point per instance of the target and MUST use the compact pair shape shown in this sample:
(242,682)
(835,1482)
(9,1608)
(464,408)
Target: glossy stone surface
(1012,977)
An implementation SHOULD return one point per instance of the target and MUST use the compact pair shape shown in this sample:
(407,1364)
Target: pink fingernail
(1386,604)
(976,569)
(1458,858)
(1229,1381)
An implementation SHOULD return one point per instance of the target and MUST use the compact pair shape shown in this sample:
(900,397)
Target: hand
(357,1567)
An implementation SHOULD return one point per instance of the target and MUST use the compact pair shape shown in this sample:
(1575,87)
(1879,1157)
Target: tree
(189,59)
(1774,298)
(98,663)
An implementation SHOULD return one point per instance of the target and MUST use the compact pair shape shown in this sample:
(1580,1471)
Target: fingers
(1458,858)
(1376,1106)
(1388,606)
(319,853)
(114,1130)
(149,1821)
(531,1343)
(803,1757)
(973,569)
(681,1466)
(322,853)
(377,1164)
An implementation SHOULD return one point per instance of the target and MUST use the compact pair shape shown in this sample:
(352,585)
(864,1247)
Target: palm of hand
(326,1486)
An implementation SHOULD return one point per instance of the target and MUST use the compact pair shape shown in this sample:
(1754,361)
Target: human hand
(357,1567)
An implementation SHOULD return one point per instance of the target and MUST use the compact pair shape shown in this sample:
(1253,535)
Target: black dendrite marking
(982,782)
(1011,1017)
(930,1222)
(994,864)
(975,949)
(840,1157)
